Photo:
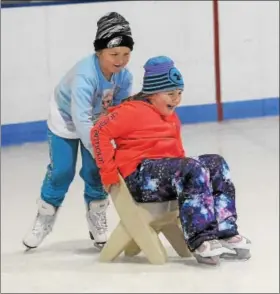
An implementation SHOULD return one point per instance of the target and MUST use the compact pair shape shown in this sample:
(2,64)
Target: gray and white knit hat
(113,30)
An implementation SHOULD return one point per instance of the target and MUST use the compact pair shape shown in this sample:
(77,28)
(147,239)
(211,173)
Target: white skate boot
(42,226)
(97,222)
(240,245)
(209,252)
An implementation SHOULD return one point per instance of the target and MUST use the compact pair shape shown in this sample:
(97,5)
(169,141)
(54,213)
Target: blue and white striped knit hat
(161,75)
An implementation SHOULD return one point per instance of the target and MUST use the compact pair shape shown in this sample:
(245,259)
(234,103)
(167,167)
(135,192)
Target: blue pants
(203,188)
(62,168)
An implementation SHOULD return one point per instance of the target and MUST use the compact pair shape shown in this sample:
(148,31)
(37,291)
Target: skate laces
(237,242)
(215,243)
(208,246)
(100,221)
(42,222)
(237,239)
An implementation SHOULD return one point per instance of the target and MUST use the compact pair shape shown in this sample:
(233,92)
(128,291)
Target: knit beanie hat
(161,75)
(113,30)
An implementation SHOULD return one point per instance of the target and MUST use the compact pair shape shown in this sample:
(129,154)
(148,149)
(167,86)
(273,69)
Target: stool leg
(148,241)
(175,236)
(132,249)
(116,244)
(136,223)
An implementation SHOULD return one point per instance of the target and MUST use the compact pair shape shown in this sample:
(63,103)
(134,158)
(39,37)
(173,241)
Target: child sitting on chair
(150,156)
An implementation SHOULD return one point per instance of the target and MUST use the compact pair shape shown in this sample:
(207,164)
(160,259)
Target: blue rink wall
(36,131)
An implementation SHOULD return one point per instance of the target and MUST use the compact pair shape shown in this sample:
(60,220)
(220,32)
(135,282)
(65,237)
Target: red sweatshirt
(140,132)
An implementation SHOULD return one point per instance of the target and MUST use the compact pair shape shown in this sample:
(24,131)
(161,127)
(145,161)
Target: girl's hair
(138,96)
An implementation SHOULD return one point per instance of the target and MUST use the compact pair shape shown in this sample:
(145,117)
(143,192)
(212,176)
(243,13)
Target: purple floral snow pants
(203,188)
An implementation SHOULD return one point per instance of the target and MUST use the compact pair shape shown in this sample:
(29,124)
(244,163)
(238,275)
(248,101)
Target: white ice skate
(42,226)
(209,252)
(97,222)
(239,245)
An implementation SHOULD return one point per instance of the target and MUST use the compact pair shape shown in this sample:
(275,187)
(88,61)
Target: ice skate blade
(240,254)
(98,245)
(213,260)
(28,248)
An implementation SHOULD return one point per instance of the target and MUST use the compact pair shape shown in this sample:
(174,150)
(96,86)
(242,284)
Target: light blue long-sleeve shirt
(79,99)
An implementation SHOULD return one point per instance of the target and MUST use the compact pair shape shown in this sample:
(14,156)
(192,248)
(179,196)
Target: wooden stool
(139,227)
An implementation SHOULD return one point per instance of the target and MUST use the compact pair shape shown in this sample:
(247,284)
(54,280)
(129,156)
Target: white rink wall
(249,33)
(40,43)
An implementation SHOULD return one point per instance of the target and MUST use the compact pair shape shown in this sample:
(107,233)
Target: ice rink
(67,262)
